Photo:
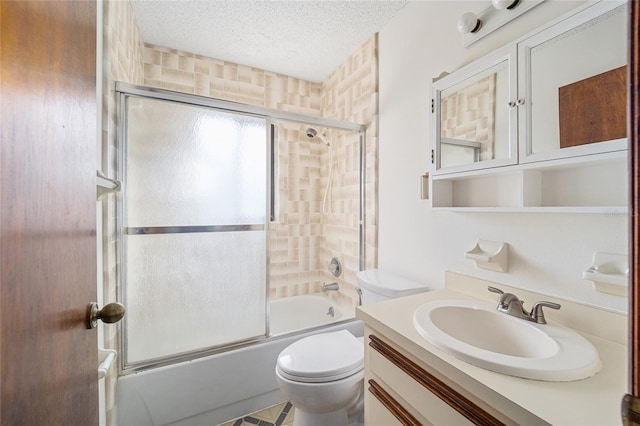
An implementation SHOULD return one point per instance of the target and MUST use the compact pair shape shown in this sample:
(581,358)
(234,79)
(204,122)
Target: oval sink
(475,332)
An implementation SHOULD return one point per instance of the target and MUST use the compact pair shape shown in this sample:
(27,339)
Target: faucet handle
(537,315)
(495,290)
(509,303)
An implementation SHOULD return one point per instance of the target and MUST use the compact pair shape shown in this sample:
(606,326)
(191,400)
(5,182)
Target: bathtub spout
(330,287)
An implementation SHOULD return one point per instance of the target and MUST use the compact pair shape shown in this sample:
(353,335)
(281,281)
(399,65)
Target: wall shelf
(586,184)
(612,210)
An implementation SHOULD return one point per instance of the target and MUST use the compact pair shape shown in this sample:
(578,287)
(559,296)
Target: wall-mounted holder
(106,185)
(491,255)
(106,358)
(424,186)
(609,273)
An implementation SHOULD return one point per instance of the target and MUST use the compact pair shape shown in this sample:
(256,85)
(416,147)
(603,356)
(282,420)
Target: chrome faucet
(511,304)
(330,287)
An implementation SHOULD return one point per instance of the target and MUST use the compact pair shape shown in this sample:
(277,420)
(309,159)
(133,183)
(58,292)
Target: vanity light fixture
(469,23)
(473,27)
(505,4)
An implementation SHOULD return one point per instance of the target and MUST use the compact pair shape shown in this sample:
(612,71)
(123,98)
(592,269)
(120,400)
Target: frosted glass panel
(190,165)
(190,291)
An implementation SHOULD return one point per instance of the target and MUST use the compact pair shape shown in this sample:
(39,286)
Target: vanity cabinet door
(474,115)
(414,395)
(381,409)
(572,85)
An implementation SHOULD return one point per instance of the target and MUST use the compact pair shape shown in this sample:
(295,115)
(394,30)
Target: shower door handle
(113,312)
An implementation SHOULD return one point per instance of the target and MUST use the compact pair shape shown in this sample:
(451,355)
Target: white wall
(548,251)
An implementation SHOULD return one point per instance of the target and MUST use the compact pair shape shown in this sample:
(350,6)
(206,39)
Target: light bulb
(469,23)
(504,4)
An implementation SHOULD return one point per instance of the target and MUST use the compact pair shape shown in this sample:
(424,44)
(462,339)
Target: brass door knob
(113,312)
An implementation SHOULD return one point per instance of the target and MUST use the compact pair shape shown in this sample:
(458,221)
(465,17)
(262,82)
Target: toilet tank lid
(388,284)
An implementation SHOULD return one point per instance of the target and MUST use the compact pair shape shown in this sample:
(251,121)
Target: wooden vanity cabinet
(401,390)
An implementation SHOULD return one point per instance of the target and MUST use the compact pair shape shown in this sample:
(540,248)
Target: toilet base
(334,418)
(350,416)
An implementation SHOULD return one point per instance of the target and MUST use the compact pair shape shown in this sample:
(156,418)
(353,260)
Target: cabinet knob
(512,104)
(520,101)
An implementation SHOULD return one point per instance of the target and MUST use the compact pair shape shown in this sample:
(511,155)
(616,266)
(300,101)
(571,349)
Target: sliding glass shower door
(194,267)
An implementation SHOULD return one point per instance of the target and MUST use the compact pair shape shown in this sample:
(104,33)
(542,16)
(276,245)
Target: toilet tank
(379,285)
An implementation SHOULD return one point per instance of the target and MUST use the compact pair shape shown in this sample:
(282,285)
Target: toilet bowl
(322,375)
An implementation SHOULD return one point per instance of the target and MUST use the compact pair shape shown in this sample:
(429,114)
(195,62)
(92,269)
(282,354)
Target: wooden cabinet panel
(431,398)
(384,409)
(580,122)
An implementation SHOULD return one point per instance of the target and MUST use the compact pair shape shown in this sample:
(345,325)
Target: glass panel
(189,165)
(472,126)
(191,291)
(578,90)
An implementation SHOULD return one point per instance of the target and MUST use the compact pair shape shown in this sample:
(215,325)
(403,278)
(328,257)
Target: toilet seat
(322,357)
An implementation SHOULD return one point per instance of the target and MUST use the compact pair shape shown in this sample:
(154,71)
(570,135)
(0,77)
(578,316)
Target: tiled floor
(278,415)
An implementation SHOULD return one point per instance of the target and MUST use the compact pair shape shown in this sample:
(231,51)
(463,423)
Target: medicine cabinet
(474,126)
(539,125)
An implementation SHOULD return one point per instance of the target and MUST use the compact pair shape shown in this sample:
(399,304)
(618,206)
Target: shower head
(312,133)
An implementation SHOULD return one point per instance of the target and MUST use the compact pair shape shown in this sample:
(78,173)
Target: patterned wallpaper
(189,73)
(350,93)
(302,240)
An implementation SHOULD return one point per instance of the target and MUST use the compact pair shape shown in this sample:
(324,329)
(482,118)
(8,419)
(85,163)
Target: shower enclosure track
(154,230)
(190,99)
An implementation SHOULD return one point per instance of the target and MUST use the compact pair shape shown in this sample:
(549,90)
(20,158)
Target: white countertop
(592,401)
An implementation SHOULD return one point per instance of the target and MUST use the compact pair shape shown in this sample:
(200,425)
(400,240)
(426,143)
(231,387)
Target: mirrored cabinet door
(572,86)
(474,119)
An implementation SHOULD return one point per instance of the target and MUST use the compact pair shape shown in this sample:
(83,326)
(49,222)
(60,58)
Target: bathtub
(220,387)
(300,312)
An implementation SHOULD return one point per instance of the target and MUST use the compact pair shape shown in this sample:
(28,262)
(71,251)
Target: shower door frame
(124,90)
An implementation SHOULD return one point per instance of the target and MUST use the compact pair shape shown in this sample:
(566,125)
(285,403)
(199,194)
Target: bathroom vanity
(410,381)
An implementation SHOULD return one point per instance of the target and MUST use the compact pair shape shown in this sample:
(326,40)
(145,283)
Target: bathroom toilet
(322,375)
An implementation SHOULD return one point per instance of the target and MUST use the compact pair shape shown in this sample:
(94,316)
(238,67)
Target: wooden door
(48,358)
(631,402)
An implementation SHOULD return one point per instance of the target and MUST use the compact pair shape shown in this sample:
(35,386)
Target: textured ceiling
(304,39)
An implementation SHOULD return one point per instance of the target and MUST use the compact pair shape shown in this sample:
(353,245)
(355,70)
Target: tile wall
(350,93)
(122,61)
(190,73)
(300,249)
